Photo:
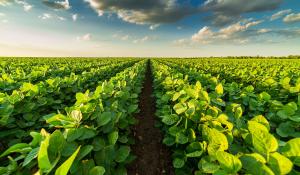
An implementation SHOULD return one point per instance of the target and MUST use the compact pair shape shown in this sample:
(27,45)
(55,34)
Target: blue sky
(167,28)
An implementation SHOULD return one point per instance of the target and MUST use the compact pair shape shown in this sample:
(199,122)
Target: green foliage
(90,136)
(229,116)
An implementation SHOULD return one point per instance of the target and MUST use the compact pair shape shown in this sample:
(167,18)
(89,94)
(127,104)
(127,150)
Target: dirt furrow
(153,158)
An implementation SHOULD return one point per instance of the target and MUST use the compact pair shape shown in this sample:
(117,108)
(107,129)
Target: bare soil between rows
(153,158)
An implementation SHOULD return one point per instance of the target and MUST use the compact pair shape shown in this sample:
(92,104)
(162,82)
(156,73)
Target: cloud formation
(232,33)
(74,17)
(59,5)
(26,6)
(5,2)
(144,11)
(46,16)
(280,14)
(228,11)
(292,18)
(85,37)
(238,33)
(142,40)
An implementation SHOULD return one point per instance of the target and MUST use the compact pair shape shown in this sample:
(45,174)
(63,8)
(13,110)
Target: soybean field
(150,116)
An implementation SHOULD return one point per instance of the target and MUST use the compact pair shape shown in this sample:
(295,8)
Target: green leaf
(169,141)
(74,133)
(64,168)
(217,141)
(87,133)
(254,126)
(285,82)
(132,108)
(292,150)
(176,96)
(255,164)
(282,114)
(170,119)
(229,162)
(262,120)
(194,149)
(295,118)
(285,129)
(178,163)
(104,118)
(98,143)
(37,138)
(69,148)
(85,150)
(113,137)
(208,167)
(219,89)
(204,96)
(287,110)
(82,98)
(264,142)
(43,159)
(17,148)
(122,153)
(56,143)
(192,93)
(192,135)
(97,170)
(280,164)
(30,156)
(181,138)
(180,108)
(264,96)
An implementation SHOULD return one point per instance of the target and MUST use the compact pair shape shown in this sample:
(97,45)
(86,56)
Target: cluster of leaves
(280,103)
(211,133)
(22,111)
(14,73)
(92,137)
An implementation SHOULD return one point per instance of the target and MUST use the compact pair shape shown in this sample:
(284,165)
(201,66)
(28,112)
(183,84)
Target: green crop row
(216,128)
(22,111)
(91,137)
(14,74)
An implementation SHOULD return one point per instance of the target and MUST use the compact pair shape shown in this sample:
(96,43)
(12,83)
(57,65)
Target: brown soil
(153,158)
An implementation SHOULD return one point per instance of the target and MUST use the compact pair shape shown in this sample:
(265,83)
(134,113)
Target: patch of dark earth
(153,158)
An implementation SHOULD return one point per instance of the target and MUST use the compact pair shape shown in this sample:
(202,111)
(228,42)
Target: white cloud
(235,33)
(45,16)
(181,42)
(86,37)
(96,5)
(204,35)
(4,21)
(125,37)
(61,18)
(280,14)
(264,30)
(26,6)
(142,40)
(74,17)
(291,18)
(2,14)
(154,26)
